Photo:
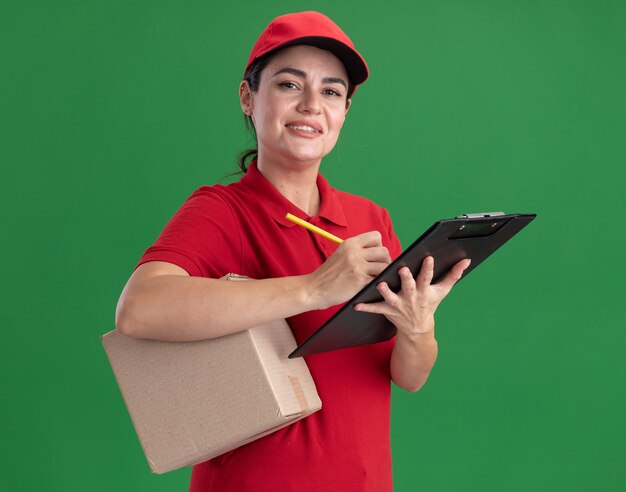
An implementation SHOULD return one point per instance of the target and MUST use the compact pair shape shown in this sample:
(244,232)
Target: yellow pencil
(312,228)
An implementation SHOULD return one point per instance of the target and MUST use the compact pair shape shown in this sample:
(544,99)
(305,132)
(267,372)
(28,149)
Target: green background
(112,113)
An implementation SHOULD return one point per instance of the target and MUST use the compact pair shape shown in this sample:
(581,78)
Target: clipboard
(474,236)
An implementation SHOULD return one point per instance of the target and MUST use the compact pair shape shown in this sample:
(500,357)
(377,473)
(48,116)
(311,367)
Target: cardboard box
(192,401)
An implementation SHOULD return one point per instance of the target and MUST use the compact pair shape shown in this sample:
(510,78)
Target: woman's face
(299,107)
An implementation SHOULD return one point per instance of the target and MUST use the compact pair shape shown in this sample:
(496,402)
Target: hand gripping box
(192,401)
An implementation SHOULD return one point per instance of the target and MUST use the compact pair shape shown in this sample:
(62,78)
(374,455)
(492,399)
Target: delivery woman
(297,90)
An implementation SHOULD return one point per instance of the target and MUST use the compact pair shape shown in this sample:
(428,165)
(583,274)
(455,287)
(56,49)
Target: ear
(245,97)
(348,104)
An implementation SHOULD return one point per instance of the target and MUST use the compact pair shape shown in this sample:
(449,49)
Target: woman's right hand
(351,267)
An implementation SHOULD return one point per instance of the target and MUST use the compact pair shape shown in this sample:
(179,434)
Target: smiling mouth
(304,128)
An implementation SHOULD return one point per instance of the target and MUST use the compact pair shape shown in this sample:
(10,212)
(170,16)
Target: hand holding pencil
(353,265)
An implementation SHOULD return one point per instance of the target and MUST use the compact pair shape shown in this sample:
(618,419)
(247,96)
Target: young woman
(297,90)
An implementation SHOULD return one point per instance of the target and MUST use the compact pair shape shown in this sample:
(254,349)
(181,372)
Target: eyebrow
(302,75)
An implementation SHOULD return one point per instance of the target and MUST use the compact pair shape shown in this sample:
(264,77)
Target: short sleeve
(202,237)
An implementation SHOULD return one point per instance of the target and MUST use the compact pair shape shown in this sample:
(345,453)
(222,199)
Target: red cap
(314,29)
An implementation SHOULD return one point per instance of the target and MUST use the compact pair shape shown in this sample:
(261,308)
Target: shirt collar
(330,206)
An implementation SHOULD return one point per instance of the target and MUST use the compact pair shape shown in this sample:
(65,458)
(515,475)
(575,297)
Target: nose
(310,102)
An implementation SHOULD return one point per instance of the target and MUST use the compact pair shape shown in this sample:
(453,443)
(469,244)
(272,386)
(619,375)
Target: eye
(288,85)
(332,92)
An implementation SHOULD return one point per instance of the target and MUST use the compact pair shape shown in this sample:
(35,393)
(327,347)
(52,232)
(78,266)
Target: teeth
(304,128)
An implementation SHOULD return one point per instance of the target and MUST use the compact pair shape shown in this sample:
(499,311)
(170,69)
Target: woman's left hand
(412,309)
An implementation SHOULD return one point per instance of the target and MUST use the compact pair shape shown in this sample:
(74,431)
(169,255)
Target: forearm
(161,301)
(413,357)
(183,308)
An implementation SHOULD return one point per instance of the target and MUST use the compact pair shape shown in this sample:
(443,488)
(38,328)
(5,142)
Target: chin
(306,158)
(308,155)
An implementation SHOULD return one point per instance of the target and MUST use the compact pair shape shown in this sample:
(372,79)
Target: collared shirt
(241,228)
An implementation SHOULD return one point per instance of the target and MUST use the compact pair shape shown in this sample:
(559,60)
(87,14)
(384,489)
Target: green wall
(112,113)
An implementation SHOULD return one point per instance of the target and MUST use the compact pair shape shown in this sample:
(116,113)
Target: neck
(298,184)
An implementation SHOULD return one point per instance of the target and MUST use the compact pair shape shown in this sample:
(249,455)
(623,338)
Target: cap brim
(354,63)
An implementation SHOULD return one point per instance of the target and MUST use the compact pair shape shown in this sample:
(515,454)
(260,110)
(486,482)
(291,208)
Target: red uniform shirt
(240,228)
